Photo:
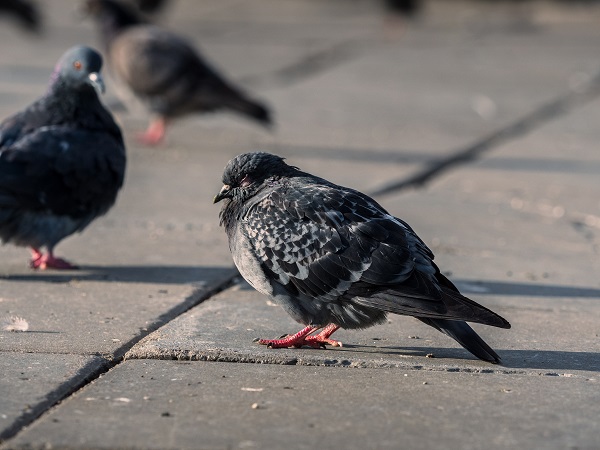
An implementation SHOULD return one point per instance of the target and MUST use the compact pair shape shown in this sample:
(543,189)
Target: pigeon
(333,258)
(150,6)
(26,12)
(403,7)
(164,71)
(62,160)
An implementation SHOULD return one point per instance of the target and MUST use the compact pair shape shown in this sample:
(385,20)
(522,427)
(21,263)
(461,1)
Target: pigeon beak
(223,193)
(97,81)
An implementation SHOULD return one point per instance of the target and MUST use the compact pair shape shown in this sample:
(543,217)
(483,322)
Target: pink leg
(49,261)
(36,258)
(303,338)
(155,132)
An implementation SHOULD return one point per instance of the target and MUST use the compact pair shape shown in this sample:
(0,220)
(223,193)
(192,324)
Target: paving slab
(221,405)
(467,84)
(540,226)
(224,328)
(31,383)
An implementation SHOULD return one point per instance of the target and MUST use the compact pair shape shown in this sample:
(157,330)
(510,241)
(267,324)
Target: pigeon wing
(338,245)
(13,127)
(61,170)
(320,241)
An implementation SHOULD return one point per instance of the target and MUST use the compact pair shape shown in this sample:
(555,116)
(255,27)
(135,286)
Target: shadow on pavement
(550,360)
(471,287)
(547,361)
(129,274)
(525,289)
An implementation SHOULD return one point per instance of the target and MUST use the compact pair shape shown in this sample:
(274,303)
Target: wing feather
(61,170)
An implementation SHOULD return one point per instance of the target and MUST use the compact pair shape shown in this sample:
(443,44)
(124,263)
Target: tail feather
(462,333)
(252,109)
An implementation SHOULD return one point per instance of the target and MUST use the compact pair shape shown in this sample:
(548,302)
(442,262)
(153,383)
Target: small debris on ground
(13,323)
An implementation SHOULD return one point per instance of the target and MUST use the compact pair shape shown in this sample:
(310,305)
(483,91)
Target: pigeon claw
(322,341)
(40,261)
(289,343)
(303,338)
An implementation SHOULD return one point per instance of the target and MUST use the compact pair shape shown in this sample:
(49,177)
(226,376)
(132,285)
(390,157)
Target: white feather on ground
(13,323)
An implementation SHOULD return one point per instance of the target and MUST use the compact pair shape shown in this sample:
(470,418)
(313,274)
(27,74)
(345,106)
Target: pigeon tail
(252,109)
(462,333)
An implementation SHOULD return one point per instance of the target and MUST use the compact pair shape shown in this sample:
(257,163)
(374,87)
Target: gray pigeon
(165,71)
(332,257)
(62,160)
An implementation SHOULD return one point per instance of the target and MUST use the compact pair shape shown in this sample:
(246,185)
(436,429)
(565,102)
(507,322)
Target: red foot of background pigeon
(43,261)
(155,133)
(303,338)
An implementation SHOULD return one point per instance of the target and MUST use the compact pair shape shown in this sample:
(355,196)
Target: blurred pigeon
(150,6)
(403,7)
(333,257)
(62,160)
(164,71)
(25,11)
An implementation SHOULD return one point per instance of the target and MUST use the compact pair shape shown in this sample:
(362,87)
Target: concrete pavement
(149,345)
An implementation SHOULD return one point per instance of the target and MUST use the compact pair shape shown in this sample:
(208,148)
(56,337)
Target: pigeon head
(79,67)
(246,174)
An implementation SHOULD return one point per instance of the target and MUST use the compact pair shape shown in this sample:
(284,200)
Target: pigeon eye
(77,65)
(246,181)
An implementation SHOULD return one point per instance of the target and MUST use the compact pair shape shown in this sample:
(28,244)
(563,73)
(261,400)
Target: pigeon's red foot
(303,337)
(42,261)
(155,133)
(323,337)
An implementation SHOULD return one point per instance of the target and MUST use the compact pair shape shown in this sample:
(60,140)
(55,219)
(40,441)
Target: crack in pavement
(92,370)
(545,113)
(306,67)
(101,364)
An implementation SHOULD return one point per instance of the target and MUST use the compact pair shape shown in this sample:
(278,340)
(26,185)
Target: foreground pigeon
(333,257)
(164,71)
(62,160)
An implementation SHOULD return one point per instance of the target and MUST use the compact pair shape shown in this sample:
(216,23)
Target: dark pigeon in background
(333,257)
(25,11)
(164,71)
(403,7)
(150,6)
(62,160)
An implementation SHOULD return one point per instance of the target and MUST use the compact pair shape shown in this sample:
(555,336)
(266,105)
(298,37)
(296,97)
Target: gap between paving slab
(306,67)
(552,110)
(99,365)
(26,379)
(176,404)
